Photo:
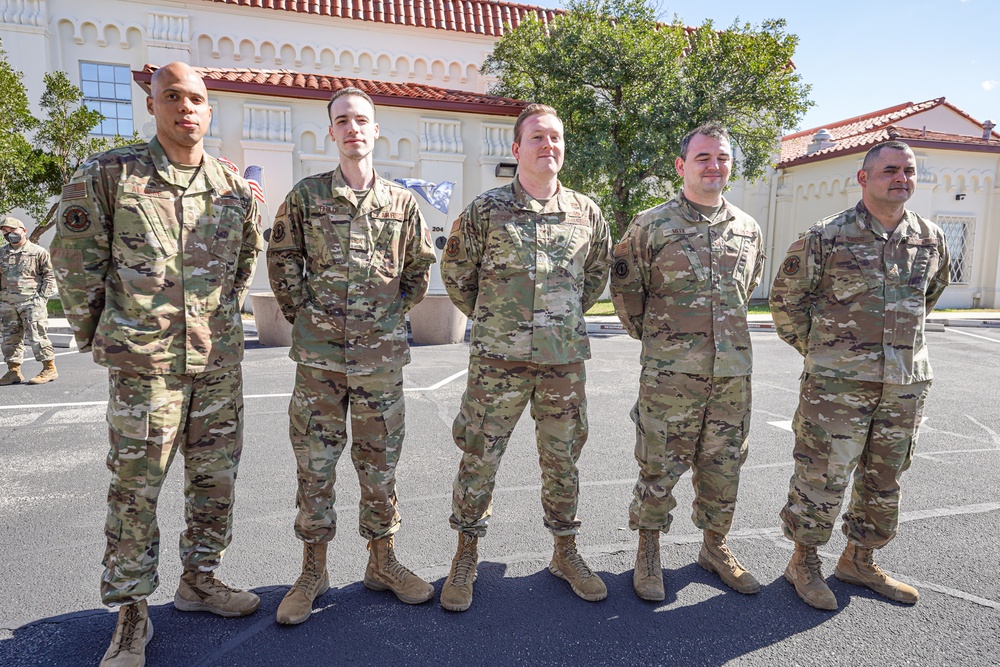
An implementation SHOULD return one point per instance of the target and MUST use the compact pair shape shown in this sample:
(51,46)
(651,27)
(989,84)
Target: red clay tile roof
(481,17)
(859,133)
(287,83)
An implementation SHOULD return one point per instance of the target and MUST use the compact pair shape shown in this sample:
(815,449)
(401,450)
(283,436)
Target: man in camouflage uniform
(681,282)
(26,283)
(154,250)
(525,262)
(851,297)
(349,255)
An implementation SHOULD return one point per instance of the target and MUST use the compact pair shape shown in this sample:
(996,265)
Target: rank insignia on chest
(894,271)
(791,265)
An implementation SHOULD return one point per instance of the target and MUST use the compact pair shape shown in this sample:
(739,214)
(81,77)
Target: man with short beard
(852,297)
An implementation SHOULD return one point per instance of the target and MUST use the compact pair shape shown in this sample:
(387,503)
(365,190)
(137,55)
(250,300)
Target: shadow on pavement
(532,620)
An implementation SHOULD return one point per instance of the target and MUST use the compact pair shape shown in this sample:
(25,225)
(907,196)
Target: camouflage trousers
(31,317)
(150,418)
(494,399)
(843,427)
(318,429)
(689,421)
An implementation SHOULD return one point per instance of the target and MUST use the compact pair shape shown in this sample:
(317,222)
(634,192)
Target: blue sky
(861,56)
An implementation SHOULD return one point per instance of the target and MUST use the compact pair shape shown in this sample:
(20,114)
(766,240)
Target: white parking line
(966,333)
(439,384)
(46,406)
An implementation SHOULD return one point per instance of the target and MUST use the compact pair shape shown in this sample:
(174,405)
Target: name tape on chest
(148,191)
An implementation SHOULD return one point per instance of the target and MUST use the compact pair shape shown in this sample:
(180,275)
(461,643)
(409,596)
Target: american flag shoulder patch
(76,190)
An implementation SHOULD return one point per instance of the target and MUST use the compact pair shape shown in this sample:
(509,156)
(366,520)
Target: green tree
(23,167)
(65,139)
(628,88)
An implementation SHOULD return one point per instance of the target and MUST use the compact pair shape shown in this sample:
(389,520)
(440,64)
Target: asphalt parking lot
(53,441)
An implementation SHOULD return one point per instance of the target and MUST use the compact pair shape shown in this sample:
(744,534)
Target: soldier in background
(26,283)
(681,282)
(851,297)
(525,262)
(349,255)
(155,248)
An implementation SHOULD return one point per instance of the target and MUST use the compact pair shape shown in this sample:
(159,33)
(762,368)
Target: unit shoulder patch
(791,265)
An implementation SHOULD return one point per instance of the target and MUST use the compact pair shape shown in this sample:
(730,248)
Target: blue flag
(438,196)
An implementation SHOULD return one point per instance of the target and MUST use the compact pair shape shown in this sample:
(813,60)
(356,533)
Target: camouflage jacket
(526,273)
(344,272)
(151,273)
(852,299)
(681,284)
(26,273)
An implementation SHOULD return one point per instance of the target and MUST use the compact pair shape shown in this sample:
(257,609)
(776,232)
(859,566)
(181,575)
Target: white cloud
(990,85)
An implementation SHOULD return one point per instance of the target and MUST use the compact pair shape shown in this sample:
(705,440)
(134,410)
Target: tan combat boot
(201,591)
(716,557)
(12,376)
(133,632)
(384,572)
(457,592)
(296,606)
(647,580)
(47,374)
(856,567)
(568,564)
(804,573)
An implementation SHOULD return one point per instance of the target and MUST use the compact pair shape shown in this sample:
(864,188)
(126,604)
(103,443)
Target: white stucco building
(958,158)
(270,67)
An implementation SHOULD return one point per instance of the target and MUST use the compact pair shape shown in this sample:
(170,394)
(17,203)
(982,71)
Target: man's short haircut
(710,129)
(349,92)
(528,112)
(872,155)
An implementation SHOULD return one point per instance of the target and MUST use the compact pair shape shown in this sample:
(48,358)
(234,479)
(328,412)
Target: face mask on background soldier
(13,238)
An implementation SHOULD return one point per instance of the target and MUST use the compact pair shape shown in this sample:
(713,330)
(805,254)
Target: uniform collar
(868,222)
(691,214)
(559,202)
(211,171)
(378,198)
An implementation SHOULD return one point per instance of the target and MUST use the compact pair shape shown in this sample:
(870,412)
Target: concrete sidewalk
(937,321)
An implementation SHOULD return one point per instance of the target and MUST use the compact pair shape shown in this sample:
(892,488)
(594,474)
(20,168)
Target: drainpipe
(772,213)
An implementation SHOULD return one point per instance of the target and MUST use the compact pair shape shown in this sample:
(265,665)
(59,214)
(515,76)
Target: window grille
(108,89)
(960,233)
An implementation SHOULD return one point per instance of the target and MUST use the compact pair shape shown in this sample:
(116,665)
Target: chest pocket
(510,247)
(678,264)
(330,236)
(388,255)
(924,260)
(742,247)
(140,232)
(569,241)
(854,269)
(225,234)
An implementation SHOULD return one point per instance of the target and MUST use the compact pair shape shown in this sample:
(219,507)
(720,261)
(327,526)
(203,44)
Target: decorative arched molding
(100,29)
(957,179)
(321,58)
